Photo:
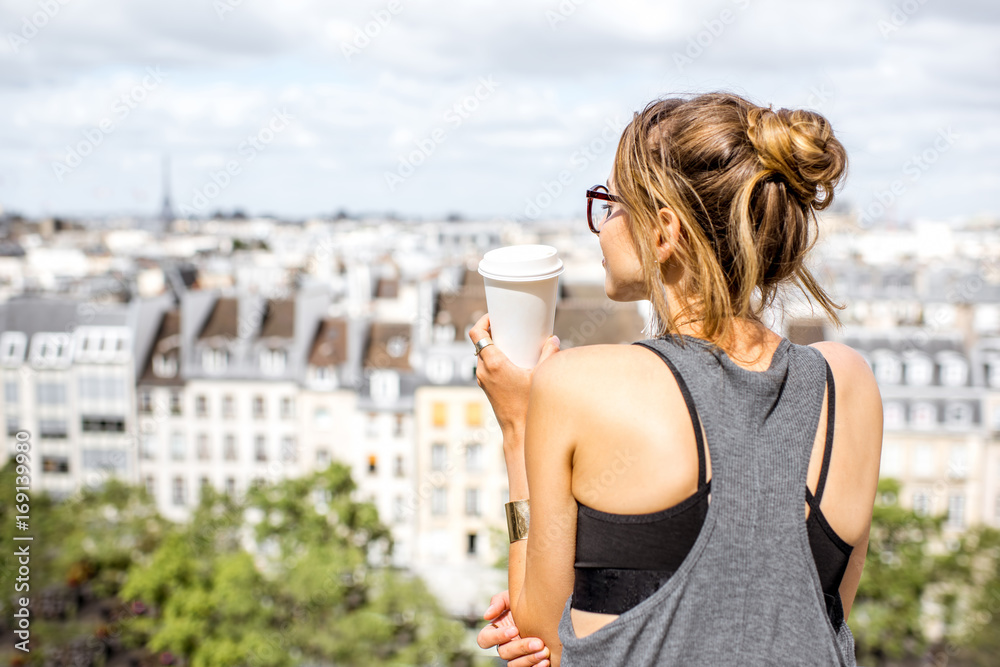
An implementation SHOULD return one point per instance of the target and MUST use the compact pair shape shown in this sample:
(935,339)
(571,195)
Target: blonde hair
(745,182)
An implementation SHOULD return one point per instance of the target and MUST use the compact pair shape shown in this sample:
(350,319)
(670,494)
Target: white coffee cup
(522,286)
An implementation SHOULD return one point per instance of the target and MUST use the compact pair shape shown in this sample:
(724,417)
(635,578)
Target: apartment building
(937,440)
(68,381)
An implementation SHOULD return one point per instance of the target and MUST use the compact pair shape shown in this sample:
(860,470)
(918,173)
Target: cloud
(565,70)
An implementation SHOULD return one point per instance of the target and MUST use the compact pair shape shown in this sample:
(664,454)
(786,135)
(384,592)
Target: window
(958,415)
(52,428)
(260,448)
(439,456)
(147,446)
(894,415)
(175,403)
(51,393)
(229,447)
(919,371)
(472,502)
(203,484)
(204,452)
(956,511)
(471,544)
(400,424)
(473,457)
(231,486)
(10,391)
(151,486)
(289,449)
(892,460)
(958,461)
(104,459)
(439,501)
(372,464)
(923,460)
(287,407)
(321,416)
(103,425)
(165,365)
(888,368)
(921,503)
(923,415)
(384,385)
(214,361)
(177,446)
(322,457)
(473,414)
(439,413)
(398,509)
(258,407)
(954,373)
(177,491)
(145,401)
(56,464)
(13,424)
(398,467)
(228,407)
(272,362)
(200,406)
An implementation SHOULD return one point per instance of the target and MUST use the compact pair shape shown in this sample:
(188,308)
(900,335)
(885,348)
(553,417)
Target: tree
(284,576)
(887,616)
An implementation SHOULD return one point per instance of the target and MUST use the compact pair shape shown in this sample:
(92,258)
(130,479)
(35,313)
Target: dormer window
(958,415)
(440,370)
(919,371)
(396,346)
(384,386)
(923,415)
(888,368)
(272,362)
(444,333)
(214,361)
(894,415)
(165,365)
(954,372)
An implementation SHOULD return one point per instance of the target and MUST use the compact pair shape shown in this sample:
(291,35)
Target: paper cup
(522,286)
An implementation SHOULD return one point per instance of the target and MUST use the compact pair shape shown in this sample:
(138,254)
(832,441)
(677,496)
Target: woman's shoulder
(590,363)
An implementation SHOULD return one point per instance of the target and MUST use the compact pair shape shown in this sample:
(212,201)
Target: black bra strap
(828,449)
(695,421)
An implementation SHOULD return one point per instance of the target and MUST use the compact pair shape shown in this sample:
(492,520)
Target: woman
(703,496)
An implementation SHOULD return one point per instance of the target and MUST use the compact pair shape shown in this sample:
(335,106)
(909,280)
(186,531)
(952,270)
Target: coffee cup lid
(518,263)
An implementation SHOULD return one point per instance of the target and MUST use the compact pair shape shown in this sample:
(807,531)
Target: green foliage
(887,612)
(286,576)
(306,590)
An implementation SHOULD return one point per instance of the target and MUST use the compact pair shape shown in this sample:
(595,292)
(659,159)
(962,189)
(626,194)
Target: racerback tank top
(748,591)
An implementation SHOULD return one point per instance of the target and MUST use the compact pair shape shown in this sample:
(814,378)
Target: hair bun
(799,146)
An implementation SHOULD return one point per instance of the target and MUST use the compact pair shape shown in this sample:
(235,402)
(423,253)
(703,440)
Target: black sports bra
(612,580)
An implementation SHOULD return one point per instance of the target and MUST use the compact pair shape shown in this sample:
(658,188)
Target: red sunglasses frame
(595,193)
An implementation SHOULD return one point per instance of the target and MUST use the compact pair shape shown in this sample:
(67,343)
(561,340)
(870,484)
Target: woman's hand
(503,633)
(505,383)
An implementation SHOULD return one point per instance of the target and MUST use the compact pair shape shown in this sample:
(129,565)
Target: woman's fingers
(528,651)
(499,603)
(491,635)
(551,347)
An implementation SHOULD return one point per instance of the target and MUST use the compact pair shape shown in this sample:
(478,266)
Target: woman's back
(636,452)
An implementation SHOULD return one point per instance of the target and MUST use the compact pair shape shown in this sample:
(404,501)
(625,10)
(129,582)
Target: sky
(482,108)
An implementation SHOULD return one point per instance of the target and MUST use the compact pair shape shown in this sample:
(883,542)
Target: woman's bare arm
(541,567)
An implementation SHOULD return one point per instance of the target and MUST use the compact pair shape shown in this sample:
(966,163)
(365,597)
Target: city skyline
(494,111)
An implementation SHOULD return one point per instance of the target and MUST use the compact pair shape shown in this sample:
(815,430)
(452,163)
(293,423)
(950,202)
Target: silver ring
(482,343)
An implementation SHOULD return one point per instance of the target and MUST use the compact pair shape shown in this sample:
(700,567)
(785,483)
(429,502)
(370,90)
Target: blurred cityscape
(181,354)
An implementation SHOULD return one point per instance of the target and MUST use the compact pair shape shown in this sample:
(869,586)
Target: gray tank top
(748,592)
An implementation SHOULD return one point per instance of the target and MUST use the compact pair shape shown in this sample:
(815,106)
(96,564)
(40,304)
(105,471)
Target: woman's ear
(668,234)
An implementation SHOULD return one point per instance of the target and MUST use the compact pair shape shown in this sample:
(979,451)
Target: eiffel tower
(167,211)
